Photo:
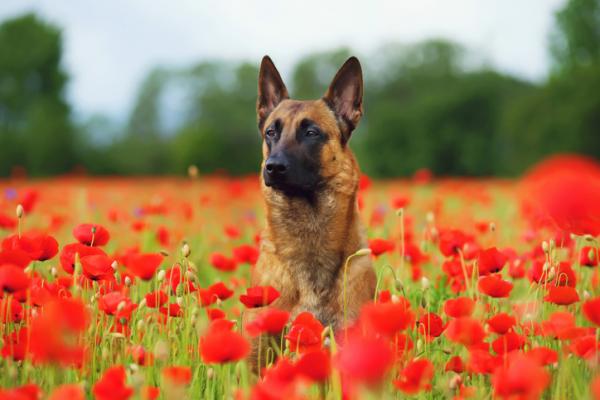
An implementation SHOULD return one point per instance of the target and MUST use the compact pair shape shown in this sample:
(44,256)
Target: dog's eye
(270,133)
(312,133)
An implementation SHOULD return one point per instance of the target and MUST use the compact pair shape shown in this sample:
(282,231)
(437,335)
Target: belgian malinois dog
(309,181)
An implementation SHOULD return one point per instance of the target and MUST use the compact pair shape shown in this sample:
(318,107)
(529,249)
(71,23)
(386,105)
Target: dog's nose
(276,165)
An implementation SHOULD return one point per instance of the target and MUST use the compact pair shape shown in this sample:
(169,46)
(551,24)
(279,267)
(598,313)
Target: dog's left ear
(344,96)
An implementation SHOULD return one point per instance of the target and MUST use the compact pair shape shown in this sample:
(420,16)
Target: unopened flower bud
(161,275)
(121,305)
(140,325)
(179,301)
(114,265)
(430,217)
(20,211)
(53,272)
(424,283)
(193,171)
(363,252)
(127,281)
(395,299)
(185,250)
(455,381)
(164,253)
(492,227)
(545,246)
(210,373)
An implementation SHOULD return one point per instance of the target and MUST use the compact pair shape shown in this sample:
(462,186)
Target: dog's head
(305,142)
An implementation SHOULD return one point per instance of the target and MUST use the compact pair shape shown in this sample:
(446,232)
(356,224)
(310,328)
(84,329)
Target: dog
(309,181)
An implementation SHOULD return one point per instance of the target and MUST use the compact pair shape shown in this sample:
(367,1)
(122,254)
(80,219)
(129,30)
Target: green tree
(35,127)
(576,38)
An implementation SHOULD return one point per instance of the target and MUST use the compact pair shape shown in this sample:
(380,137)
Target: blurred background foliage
(432,104)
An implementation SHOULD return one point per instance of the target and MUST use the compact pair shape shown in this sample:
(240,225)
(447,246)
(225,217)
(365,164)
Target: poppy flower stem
(360,252)
(464,270)
(400,213)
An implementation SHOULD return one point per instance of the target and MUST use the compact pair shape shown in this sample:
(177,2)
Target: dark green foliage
(431,104)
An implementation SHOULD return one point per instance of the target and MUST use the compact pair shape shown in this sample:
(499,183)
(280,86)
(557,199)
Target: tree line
(431,105)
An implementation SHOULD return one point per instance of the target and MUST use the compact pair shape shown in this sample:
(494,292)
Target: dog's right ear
(271,90)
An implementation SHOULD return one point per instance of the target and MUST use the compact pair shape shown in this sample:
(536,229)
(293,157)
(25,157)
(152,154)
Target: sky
(110,45)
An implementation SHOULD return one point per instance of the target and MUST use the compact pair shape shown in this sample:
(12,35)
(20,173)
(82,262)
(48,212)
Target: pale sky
(111,44)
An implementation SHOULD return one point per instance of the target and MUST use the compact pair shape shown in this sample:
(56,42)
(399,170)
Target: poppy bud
(127,281)
(142,303)
(552,273)
(400,212)
(210,373)
(140,325)
(185,250)
(325,332)
(190,276)
(588,238)
(395,299)
(20,211)
(363,252)
(430,217)
(546,266)
(545,246)
(455,381)
(419,344)
(161,275)
(114,265)
(133,367)
(53,272)
(179,300)
(121,305)
(193,171)
(492,227)
(424,283)
(399,285)
(586,295)
(105,353)
(164,253)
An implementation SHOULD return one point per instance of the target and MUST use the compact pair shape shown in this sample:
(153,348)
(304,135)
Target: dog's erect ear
(271,90)
(344,96)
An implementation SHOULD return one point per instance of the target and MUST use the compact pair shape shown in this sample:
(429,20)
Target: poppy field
(135,288)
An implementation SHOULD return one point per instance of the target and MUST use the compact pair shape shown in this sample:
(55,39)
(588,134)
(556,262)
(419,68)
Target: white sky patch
(111,45)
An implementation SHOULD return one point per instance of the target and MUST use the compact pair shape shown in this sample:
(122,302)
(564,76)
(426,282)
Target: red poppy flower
(91,234)
(364,359)
(68,392)
(508,342)
(144,265)
(491,261)
(402,344)
(270,320)
(416,376)
(215,313)
(15,257)
(117,304)
(12,279)
(156,299)
(588,256)
(172,310)
(522,378)
(466,331)
(259,296)
(591,310)
(216,291)
(178,376)
(543,355)
(112,385)
(431,325)
(67,255)
(7,222)
(305,333)
(501,323)
(400,202)
(455,364)
(222,263)
(379,246)
(26,392)
(246,253)
(494,286)
(37,246)
(562,295)
(221,345)
(452,241)
(97,267)
(565,276)
(314,365)
(459,307)
(387,318)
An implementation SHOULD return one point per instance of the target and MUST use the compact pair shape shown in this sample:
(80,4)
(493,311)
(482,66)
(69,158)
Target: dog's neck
(324,225)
